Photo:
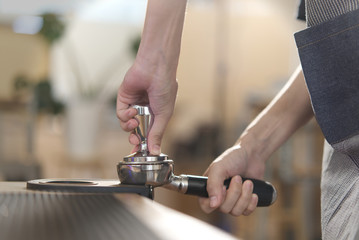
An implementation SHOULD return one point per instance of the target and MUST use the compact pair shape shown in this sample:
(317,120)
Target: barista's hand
(238,199)
(152,78)
(146,83)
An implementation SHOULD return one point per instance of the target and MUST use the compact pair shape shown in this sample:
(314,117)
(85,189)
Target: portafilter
(143,168)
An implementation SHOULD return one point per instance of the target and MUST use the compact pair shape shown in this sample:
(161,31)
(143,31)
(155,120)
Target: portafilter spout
(142,168)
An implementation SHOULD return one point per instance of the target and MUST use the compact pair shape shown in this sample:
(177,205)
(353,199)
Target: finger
(245,199)
(127,120)
(124,100)
(130,125)
(156,133)
(252,205)
(135,149)
(134,139)
(125,113)
(215,187)
(233,194)
(204,203)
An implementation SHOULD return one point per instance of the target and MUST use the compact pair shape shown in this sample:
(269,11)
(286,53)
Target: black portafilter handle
(267,194)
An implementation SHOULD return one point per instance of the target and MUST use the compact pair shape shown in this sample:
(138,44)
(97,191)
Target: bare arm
(288,111)
(152,78)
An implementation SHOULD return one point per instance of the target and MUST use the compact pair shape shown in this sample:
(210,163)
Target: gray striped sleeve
(319,11)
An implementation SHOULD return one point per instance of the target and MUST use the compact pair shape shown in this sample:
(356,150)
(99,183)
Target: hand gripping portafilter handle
(197,185)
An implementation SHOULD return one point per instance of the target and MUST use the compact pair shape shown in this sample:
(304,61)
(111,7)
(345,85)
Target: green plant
(52,28)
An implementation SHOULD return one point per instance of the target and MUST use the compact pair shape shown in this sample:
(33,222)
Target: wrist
(254,146)
(251,162)
(156,63)
(153,69)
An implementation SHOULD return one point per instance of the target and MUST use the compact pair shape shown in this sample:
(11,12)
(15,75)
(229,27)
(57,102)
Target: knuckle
(251,208)
(204,205)
(206,209)
(236,212)
(156,137)
(247,212)
(236,190)
(225,209)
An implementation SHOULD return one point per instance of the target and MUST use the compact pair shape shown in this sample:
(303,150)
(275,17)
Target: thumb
(156,133)
(215,188)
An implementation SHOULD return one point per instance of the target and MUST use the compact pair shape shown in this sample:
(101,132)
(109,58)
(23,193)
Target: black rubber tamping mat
(88,186)
(67,216)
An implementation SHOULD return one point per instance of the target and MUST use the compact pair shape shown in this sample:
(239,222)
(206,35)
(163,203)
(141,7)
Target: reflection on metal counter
(40,215)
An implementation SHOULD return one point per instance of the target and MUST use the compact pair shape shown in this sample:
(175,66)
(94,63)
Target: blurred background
(61,62)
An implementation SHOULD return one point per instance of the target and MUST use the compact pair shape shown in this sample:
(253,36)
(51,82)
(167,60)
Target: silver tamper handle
(144,118)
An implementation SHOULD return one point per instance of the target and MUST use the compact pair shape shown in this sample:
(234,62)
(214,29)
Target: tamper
(144,118)
(141,167)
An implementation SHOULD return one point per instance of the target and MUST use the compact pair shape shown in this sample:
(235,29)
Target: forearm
(161,37)
(288,111)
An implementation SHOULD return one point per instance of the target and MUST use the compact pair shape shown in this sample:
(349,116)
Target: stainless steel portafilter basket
(142,168)
(156,172)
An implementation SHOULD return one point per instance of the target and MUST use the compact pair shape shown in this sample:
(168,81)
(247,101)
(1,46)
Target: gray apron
(329,54)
